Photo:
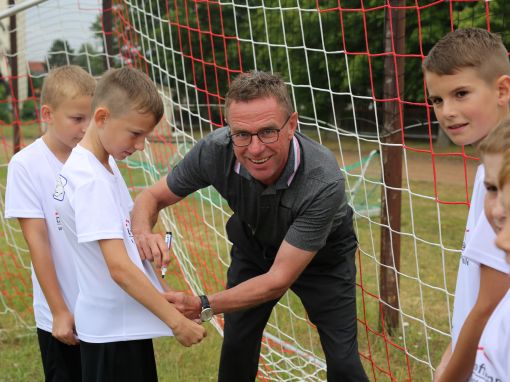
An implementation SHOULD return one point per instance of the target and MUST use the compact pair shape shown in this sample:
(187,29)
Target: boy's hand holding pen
(168,242)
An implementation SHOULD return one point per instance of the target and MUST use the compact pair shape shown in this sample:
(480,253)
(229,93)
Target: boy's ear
(100,116)
(46,113)
(503,84)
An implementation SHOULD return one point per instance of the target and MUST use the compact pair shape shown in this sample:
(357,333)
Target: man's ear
(503,84)
(293,123)
(46,113)
(101,114)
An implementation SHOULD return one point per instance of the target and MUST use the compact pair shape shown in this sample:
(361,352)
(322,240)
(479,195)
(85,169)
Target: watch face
(206,314)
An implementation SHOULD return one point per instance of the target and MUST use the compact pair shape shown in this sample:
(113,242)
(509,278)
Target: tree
(60,54)
(89,59)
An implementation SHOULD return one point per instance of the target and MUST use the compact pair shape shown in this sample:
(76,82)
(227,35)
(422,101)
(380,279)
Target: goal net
(353,69)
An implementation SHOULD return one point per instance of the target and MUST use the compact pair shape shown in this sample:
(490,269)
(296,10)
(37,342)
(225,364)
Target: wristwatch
(207,312)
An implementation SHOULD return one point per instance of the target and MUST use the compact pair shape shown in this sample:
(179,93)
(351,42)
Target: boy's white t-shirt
(30,184)
(493,356)
(478,248)
(95,204)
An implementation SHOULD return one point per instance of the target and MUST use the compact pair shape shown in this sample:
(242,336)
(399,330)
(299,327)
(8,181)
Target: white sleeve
(482,248)
(22,198)
(97,213)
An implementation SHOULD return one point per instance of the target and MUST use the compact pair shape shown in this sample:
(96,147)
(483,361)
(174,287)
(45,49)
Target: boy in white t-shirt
(468,82)
(493,356)
(66,101)
(120,307)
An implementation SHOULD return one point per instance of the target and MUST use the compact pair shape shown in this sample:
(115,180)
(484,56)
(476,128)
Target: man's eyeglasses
(243,138)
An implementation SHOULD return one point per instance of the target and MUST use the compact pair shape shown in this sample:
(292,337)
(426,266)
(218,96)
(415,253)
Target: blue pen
(168,242)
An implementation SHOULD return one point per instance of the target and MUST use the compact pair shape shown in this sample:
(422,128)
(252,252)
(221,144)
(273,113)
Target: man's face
(503,238)
(493,207)
(264,161)
(466,106)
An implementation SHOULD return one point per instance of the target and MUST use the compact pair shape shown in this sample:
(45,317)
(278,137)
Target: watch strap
(205,302)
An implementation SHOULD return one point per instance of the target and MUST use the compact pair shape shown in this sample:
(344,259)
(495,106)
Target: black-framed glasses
(243,138)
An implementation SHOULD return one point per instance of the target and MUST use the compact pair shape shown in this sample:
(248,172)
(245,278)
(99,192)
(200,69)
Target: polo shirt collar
(289,172)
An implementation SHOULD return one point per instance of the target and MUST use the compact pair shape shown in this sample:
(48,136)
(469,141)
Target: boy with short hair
(493,356)
(120,307)
(467,75)
(66,101)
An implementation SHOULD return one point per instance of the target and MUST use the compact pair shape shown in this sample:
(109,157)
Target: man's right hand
(64,329)
(188,332)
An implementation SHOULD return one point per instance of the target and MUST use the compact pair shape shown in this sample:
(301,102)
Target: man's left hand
(152,247)
(190,306)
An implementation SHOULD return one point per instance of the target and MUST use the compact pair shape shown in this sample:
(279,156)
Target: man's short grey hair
(256,85)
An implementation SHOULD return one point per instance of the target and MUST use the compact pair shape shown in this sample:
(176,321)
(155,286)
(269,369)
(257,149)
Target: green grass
(422,283)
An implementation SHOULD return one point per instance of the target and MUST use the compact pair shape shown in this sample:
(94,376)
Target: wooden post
(16,138)
(392,164)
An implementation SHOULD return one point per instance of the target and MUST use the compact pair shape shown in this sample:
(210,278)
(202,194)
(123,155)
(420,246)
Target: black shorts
(61,362)
(123,361)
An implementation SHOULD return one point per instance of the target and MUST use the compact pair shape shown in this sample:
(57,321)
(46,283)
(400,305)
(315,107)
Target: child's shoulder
(30,154)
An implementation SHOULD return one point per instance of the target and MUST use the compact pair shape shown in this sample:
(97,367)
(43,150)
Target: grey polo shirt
(306,206)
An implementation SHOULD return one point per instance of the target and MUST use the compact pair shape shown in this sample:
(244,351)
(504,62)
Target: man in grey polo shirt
(291,228)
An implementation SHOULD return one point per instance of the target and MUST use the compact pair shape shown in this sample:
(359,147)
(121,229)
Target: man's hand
(188,332)
(190,306)
(63,328)
(152,247)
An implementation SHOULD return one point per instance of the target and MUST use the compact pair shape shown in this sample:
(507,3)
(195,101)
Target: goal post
(353,69)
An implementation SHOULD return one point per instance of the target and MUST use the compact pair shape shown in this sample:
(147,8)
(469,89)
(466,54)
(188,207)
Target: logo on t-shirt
(58,221)
(483,372)
(59,188)
(127,223)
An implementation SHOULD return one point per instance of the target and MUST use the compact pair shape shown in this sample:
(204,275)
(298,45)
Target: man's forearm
(145,213)
(249,293)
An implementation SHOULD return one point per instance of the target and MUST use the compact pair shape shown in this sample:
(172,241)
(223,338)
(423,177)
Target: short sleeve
(193,171)
(97,213)
(312,226)
(22,197)
(482,248)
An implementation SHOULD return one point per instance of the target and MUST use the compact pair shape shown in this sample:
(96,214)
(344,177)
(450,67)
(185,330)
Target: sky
(59,19)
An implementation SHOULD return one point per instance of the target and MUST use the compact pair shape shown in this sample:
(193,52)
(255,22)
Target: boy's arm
(493,286)
(447,355)
(36,235)
(125,273)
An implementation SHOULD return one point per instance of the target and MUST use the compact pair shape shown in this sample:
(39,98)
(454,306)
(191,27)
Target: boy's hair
(126,89)
(255,85)
(469,48)
(66,82)
(498,140)
(504,173)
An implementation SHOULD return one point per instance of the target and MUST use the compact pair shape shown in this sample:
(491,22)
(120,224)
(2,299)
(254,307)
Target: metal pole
(13,9)
(14,82)
(392,164)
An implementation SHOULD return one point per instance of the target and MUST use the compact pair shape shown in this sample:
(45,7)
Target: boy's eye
(77,119)
(434,101)
(491,187)
(461,93)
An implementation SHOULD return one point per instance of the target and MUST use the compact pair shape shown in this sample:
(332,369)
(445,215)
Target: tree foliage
(333,56)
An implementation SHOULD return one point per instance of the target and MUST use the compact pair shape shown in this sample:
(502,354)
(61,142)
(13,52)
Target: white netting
(332,56)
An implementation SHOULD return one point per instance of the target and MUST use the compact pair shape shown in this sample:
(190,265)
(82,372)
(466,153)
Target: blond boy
(468,83)
(492,361)
(66,106)
(120,307)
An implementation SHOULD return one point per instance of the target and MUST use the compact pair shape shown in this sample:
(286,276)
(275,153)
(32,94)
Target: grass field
(431,234)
